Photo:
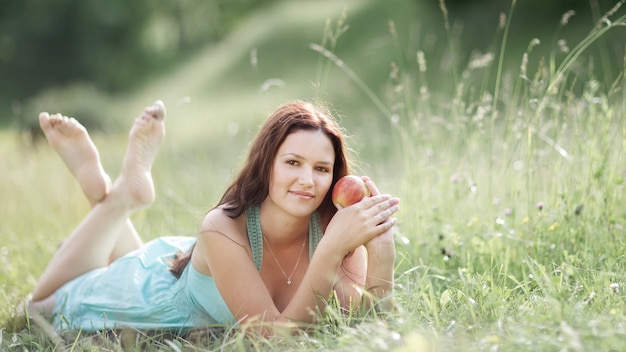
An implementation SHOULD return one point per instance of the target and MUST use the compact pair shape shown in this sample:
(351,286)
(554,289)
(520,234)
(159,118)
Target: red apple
(348,190)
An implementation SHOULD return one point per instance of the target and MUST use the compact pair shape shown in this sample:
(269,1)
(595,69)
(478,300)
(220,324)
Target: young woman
(270,254)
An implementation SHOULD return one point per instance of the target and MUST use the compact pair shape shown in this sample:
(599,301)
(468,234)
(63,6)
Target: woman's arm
(381,257)
(243,289)
(367,275)
(351,279)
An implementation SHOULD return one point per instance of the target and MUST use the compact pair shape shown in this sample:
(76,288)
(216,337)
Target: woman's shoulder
(216,221)
(219,236)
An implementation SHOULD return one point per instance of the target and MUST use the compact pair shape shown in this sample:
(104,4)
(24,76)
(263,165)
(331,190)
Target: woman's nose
(306,177)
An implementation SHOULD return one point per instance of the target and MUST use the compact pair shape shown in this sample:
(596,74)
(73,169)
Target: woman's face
(302,172)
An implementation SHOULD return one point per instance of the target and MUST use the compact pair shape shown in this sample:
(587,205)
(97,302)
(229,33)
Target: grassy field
(511,230)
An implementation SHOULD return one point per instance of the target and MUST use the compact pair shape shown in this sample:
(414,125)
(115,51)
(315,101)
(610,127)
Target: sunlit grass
(510,232)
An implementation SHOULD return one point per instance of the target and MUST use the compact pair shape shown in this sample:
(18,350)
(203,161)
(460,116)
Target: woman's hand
(381,247)
(371,267)
(359,223)
(381,257)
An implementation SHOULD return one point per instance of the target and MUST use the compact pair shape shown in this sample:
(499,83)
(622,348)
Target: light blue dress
(138,290)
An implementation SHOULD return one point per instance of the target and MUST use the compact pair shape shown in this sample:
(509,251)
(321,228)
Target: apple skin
(348,190)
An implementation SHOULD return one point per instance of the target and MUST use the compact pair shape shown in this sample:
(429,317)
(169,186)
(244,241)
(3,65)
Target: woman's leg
(92,242)
(72,143)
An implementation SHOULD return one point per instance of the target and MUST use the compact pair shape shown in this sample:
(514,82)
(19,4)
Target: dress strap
(315,233)
(255,236)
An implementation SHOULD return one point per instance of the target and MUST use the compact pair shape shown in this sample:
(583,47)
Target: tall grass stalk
(601,29)
(329,40)
(598,17)
(450,42)
(496,91)
(557,80)
(353,76)
(622,77)
(390,117)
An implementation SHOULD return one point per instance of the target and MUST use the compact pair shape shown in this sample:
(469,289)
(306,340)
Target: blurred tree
(535,18)
(47,43)
(112,44)
(475,26)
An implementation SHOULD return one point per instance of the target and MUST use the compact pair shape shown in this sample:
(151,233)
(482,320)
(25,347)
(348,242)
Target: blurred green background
(83,56)
(510,172)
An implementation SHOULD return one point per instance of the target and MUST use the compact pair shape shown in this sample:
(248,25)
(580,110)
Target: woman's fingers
(386,214)
(379,208)
(379,203)
(371,186)
(365,220)
(369,202)
(386,206)
(388,224)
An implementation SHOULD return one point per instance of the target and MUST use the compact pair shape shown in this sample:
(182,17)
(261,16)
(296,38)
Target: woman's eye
(323,169)
(292,162)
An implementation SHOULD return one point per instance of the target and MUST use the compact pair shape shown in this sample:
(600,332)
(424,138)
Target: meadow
(511,176)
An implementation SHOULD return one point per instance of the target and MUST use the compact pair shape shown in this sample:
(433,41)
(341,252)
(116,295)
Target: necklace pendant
(288,281)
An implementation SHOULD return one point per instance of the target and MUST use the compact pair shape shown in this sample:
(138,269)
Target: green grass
(511,229)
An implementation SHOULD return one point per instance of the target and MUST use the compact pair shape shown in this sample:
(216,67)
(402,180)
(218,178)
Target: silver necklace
(280,266)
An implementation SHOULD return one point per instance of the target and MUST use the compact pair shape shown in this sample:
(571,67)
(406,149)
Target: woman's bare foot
(71,141)
(145,137)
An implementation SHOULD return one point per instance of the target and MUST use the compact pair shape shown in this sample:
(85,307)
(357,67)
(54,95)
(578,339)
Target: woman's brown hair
(251,186)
